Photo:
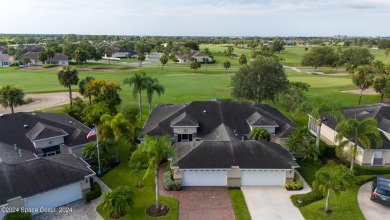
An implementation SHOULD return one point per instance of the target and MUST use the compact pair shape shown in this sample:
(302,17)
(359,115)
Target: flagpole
(98,152)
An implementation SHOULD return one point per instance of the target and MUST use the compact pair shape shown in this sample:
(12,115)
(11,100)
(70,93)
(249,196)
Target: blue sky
(197,17)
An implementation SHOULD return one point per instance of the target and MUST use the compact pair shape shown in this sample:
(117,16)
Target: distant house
(377,155)
(58,59)
(40,164)
(123,54)
(199,56)
(213,147)
(5,60)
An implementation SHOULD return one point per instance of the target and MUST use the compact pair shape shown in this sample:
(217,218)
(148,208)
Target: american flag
(92,132)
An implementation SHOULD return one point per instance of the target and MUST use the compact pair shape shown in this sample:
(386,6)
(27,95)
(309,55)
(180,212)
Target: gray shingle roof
(34,56)
(42,131)
(40,175)
(258,120)
(225,154)
(184,119)
(211,114)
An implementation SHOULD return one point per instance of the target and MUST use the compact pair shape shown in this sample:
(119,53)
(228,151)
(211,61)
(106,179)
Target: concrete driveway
(272,202)
(371,210)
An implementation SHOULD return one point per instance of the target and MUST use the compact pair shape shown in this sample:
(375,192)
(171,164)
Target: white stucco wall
(184,130)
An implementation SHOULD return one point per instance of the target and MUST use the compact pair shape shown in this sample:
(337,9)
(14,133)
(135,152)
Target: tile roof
(211,114)
(225,154)
(40,175)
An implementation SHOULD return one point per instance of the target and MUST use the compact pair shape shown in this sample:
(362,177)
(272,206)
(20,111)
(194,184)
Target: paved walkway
(200,203)
(272,202)
(371,210)
(78,210)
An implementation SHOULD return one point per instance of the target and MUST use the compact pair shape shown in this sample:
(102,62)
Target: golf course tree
(260,134)
(331,180)
(207,53)
(294,96)
(118,201)
(242,60)
(229,52)
(319,109)
(153,86)
(226,65)
(80,56)
(67,77)
(42,56)
(351,131)
(380,83)
(363,78)
(158,148)
(302,142)
(164,60)
(86,90)
(195,65)
(26,61)
(356,56)
(261,80)
(139,83)
(278,45)
(138,165)
(253,54)
(320,56)
(141,57)
(387,52)
(11,96)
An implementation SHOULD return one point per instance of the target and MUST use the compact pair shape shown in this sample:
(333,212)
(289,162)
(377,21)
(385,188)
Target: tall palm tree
(302,142)
(363,78)
(118,201)
(152,86)
(10,96)
(85,90)
(206,52)
(354,131)
(139,83)
(141,57)
(260,134)
(68,76)
(327,181)
(164,60)
(319,108)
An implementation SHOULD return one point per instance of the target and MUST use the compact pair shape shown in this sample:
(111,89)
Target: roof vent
(70,122)
(33,113)
(1,115)
(204,111)
(25,125)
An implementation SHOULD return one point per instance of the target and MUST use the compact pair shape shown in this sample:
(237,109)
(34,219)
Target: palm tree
(163,60)
(10,96)
(158,149)
(139,83)
(42,56)
(380,84)
(152,86)
(354,131)
(68,76)
(50,54)
(302,142)
(319,108)
(226,65)
(138,164)
(206,52)
(84,90)
(363,78)
(118,201)
(141,57)
(327,181)
(260,134)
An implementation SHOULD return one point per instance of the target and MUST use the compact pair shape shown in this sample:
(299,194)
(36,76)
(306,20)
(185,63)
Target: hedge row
(18,216)
(305,199)
(361,170)
(96,192)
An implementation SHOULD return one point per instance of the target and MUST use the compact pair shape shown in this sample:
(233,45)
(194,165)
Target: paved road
(371,210)
(42,101)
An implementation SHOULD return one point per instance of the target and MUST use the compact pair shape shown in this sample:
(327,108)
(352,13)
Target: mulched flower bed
(153,212)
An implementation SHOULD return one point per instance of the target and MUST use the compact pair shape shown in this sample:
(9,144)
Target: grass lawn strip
(241,211)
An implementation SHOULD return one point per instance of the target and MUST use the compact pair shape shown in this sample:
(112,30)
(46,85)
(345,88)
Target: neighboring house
(40,184)
(58,59)
(122,54)
(377,155)
(232,163)
(5,60)
(213,147)
(43,134)
(199,56)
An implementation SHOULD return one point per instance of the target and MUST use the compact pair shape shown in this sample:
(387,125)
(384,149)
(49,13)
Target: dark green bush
(295,185)
(361,170)
(96,192)
(360,180)
(18,216)
(170,184)
(305,199)
(327,150)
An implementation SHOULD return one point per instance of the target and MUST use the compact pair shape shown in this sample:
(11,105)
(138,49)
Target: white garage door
(263,178)
(204,178)
(55,198)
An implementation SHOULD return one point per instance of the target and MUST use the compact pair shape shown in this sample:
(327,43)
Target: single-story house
(5,60)
(213,147)
(377,155)
(232,163)
(216,120)
(43,134)
(199,56)
(122,54)
(58,59)
(40,184)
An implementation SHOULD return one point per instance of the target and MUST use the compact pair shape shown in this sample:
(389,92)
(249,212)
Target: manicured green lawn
(239,205)
(308,168)
(120,176)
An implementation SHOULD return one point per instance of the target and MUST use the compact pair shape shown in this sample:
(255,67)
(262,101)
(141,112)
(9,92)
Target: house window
(377,158)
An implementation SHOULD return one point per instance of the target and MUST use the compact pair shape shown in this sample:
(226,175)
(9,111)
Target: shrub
(295,185)
(305,199)
(96,192)
(18,216)
(360,180)
(170,184)
(361,170)
(27,101)
(328,150)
